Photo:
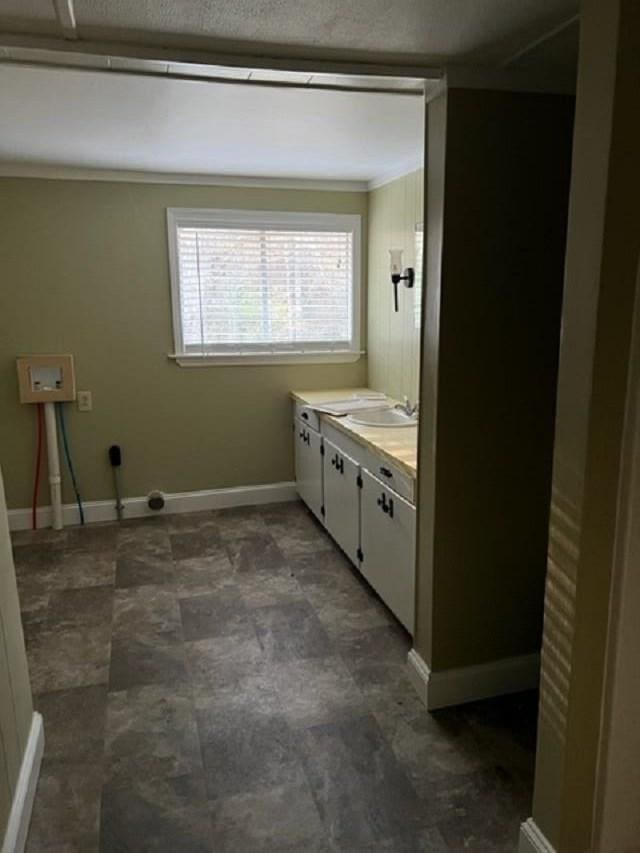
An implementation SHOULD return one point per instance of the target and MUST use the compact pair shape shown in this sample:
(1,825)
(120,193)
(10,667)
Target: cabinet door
(308,461)
(388,525)
(342,499)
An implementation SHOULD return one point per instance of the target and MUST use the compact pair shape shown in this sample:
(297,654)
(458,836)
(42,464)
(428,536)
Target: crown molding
(509,80)
(52,172)
(547,36)
(73,173)
(205,52)
(407,168)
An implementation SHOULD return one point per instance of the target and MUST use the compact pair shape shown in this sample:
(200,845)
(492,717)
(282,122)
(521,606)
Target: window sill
(251,359)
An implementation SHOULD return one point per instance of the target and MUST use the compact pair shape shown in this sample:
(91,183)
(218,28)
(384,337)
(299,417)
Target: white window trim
(186,216)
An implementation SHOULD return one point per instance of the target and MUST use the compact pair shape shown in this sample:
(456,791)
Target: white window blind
(264,283)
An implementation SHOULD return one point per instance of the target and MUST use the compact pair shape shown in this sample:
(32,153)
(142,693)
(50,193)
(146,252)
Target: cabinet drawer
(307,415)
(392,475)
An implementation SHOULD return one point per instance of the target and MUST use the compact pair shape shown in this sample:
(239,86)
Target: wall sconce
(397,275)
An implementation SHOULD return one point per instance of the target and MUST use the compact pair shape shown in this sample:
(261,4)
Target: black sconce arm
(409,278)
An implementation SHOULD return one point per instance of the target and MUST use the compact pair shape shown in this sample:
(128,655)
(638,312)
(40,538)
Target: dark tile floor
(225,681)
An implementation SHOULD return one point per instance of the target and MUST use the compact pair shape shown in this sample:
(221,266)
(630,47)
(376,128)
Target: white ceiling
(479,31)
(101,120)
(105,121)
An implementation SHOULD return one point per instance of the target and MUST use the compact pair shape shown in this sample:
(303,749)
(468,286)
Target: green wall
(497,189)
(84,269)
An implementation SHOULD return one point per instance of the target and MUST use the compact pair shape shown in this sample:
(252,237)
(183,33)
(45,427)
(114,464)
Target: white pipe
(54,465)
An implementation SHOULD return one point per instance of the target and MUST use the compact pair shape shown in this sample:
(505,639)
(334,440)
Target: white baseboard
(466,684)
(419,675)
(18,827)
(532,839)
(20,519)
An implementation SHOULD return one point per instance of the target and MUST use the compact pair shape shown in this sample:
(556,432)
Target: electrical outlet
(85,401)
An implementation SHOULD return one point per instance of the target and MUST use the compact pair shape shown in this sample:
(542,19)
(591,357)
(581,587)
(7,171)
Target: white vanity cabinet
(308,461)
(365,502)
(342,499)
(387,543)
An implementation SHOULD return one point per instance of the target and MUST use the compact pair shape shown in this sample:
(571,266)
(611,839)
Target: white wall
(394,339)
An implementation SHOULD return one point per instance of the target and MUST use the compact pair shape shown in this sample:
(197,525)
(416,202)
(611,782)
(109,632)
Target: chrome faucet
(410,409)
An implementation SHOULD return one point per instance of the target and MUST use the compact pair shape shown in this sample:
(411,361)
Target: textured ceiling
(479,31)
(96,120)
(131,123)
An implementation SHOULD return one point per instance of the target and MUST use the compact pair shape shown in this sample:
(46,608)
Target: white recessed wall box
(46,378)
(50,380)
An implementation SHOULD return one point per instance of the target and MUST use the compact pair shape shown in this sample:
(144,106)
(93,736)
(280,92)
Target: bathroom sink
(384,418)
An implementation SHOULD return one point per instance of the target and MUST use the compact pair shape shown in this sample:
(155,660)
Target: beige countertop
(398,445)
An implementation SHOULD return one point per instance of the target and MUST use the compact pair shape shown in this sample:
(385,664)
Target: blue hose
(65,442)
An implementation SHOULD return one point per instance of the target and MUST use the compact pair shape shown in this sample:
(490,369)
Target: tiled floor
(224,681)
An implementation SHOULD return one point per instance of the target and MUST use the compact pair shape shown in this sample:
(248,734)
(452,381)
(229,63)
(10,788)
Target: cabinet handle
(307,438)
(386,506)
(338,464)
(305,415)
(386,472)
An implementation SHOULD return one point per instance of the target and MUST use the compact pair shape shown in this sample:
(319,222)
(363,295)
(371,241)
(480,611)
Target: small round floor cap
(155,500)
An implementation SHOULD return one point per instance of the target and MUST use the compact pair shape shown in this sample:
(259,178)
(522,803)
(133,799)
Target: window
(264,286)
